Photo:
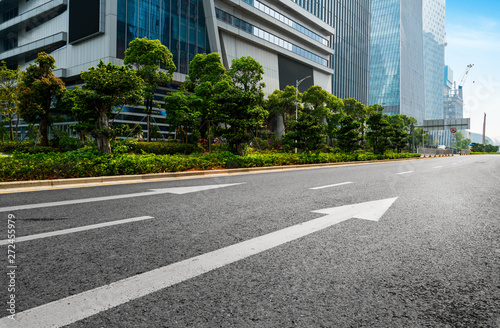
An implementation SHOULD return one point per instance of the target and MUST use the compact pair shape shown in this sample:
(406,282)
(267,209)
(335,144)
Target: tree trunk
(11,130)
(44,131)
(17,125)
(102,139)
(149,109)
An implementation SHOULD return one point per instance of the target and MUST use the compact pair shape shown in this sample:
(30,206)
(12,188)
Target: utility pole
(484,130)
(297,83)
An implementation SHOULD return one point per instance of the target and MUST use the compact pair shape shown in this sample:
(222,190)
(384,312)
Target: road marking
(407,172)
(454,163)
(73,230)
(80,306)
(333,185)
(178,191)
(437,167)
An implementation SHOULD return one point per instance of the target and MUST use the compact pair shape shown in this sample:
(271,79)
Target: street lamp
(297,83)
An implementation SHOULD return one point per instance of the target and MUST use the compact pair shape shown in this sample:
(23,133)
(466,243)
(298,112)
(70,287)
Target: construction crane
(464,77)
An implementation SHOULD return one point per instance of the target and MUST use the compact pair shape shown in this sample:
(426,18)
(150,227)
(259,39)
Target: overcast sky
(473,36)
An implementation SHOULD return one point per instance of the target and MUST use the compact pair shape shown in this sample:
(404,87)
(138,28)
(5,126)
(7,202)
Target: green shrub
(165,148)
(68,143)
(89,162)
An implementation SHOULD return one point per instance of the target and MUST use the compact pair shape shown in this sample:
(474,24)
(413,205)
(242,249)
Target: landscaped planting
(89,162)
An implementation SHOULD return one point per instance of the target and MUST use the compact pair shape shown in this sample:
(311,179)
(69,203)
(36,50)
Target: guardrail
(435,152)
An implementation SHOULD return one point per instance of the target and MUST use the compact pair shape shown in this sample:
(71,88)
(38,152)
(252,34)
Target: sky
(473,37)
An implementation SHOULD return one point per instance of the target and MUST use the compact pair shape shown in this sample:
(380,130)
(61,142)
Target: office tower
(396,62)
(434,12)
(351,43)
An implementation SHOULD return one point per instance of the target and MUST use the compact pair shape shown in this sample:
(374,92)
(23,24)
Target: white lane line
(178,191)
(454,163)
(407,172)
(80,306)
(73,230)
(333,185)
(437,167)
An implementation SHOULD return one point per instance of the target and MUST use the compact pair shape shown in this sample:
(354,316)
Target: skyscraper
(397,61)
(351,42)
(434,12)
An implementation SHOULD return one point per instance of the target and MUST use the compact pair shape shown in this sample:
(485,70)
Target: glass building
(290,39)
(351,43)
(434,13)
(397,57)
(180,25)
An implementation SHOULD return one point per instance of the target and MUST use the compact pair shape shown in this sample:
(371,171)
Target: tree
(358,112)
(280,105)
(399,130)
(39,87)
(107,86)
(75,104)
(183,113)
(310,130)
(205,71)
(240,103)
(347,134)
(147,57)
(378,132)
(9,100)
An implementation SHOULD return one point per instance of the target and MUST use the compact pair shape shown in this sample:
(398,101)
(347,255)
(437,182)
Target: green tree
(147,57)
(459,137)
(378,132)
(358,112)
(9,96)
(400,130)
(281,106)
(310,130)
(183,114)
(107,86)
(205,71)
(240,103)
(39,88)
(80,108)
(348,133)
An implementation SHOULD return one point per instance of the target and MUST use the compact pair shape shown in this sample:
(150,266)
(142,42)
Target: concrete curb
(177,175)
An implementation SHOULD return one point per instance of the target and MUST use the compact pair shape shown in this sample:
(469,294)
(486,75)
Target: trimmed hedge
(163,148)
(89,162)
(478,153)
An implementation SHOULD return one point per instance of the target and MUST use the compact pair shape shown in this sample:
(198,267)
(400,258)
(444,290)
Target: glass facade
(290,22)
(434,12)
(264,35)
(178,24)
(397,64)
(351,42)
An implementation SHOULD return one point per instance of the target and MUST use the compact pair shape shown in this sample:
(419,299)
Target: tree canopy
(39,88)
(9,96)
(107,86)
(153,63)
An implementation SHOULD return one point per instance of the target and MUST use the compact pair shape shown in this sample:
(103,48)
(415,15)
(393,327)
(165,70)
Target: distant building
(351,42)
(434,14)
(396,57)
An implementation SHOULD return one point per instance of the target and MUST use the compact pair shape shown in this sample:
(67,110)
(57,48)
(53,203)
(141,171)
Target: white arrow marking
(80,306)
(178,191)
(73,230)
(333,185)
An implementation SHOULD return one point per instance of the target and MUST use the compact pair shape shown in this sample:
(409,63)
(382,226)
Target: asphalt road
(432,260)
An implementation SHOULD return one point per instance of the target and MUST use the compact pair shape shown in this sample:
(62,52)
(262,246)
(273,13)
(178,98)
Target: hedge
(88,162)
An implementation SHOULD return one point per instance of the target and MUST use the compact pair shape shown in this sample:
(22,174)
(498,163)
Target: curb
(178,175)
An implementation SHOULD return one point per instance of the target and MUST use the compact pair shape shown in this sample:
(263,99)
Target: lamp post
(297,83)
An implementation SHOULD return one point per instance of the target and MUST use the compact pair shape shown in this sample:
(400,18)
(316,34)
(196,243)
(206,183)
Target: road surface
(400,244)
